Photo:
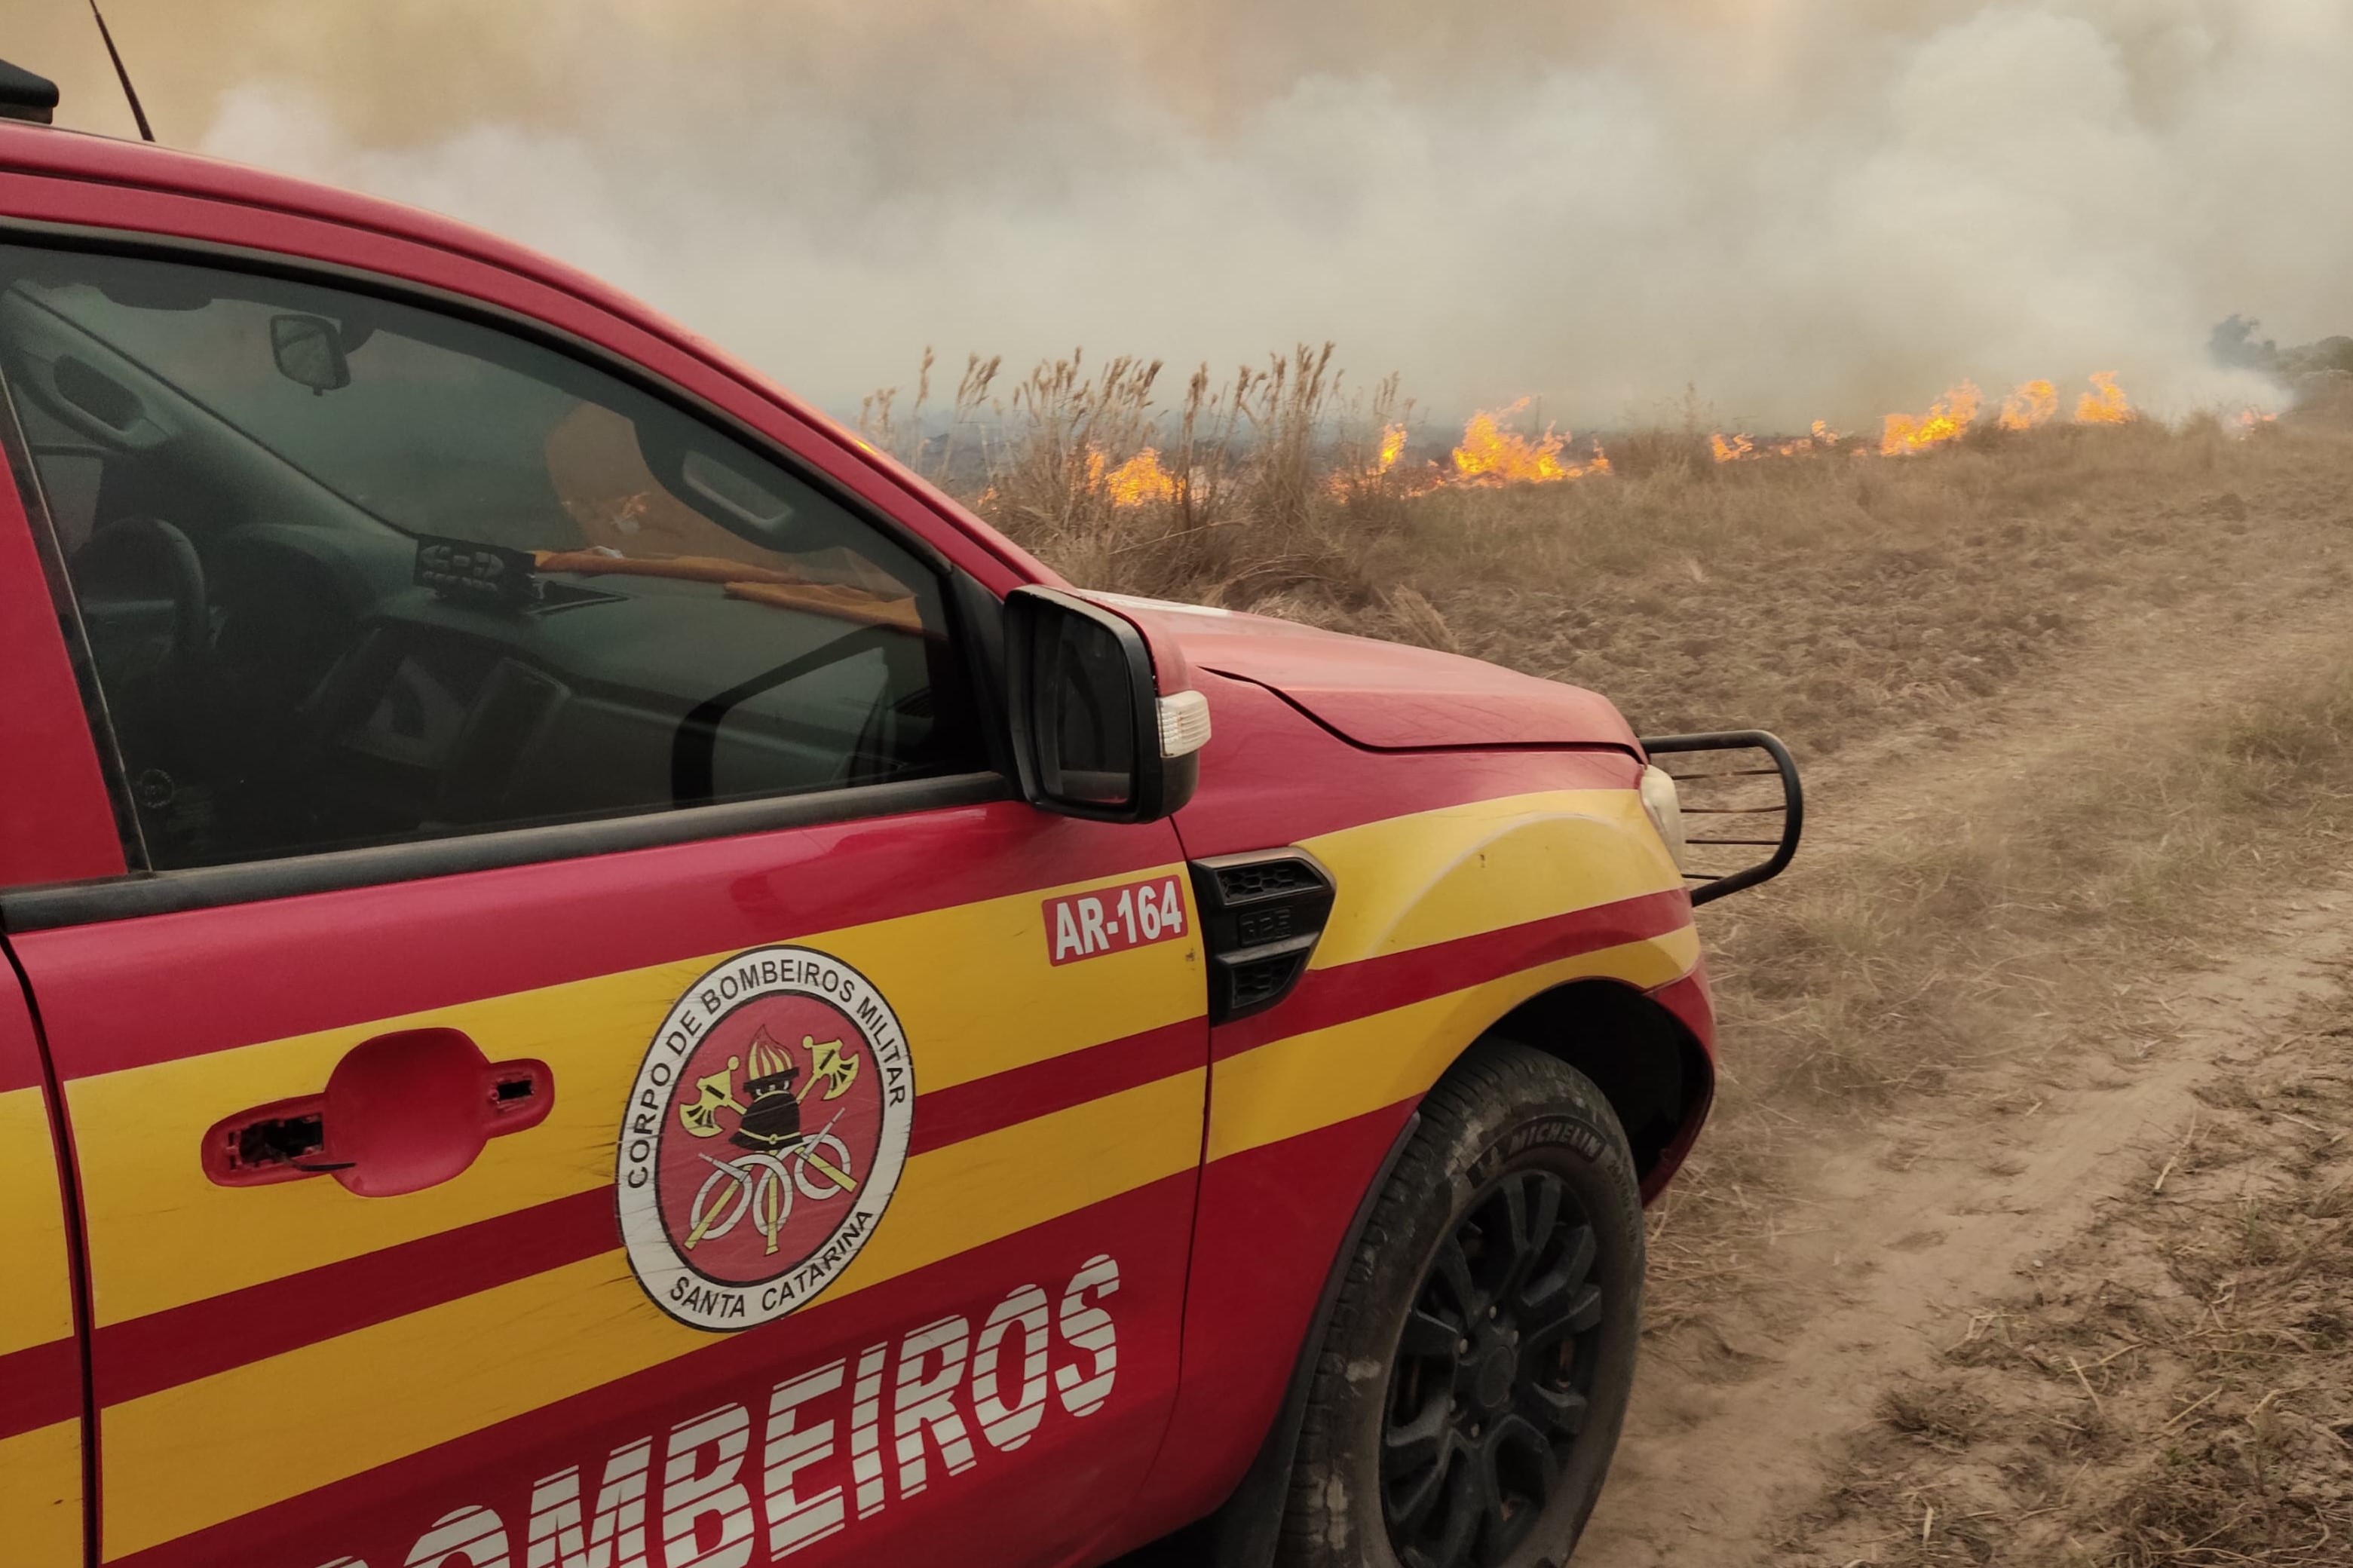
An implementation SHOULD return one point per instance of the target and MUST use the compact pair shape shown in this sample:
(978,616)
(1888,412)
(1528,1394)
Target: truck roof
(86,155)
(48,151)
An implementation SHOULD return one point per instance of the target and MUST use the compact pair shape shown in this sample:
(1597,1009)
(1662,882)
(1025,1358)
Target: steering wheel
(159,707)
(132,553)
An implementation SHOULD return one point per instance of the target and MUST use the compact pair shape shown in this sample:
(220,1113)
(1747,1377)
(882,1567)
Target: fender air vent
(1260,914)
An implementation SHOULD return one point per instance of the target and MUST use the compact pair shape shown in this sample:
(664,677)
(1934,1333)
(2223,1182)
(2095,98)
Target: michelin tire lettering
(765,1133)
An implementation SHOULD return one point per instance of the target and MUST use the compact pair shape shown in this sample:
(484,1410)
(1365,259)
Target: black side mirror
(1092,735)
(309,351)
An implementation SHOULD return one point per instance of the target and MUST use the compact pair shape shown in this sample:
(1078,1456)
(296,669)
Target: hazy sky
(1805,207)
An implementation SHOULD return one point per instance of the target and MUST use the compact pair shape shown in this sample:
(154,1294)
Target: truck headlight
(1666,810)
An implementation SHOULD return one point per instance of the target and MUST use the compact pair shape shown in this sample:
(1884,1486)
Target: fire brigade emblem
(764,1135)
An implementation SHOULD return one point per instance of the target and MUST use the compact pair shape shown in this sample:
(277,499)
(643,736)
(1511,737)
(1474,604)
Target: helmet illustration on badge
(765,1133)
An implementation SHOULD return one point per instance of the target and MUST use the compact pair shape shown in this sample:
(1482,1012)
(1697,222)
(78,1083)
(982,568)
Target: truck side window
(351,572)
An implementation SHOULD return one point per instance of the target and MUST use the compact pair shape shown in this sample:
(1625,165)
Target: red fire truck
(603,977)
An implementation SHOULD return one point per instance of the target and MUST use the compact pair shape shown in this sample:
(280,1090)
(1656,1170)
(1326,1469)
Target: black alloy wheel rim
(1494,1376)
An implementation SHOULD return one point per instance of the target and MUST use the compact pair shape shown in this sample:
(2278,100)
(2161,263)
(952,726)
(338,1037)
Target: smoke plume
(1801,208)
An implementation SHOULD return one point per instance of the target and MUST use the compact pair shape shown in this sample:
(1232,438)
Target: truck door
(40,1356)
(578,1073)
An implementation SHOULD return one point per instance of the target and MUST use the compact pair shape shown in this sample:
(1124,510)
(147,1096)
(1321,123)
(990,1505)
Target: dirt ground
(1975,1320)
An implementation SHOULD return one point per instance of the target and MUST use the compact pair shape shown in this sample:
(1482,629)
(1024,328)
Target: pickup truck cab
(603,978)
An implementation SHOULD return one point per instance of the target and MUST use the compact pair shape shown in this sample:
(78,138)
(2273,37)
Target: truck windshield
(426,422)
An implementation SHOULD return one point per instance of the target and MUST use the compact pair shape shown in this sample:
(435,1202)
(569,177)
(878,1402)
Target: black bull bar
(1732,793)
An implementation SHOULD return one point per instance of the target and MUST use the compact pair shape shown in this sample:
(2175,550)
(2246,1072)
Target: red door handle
(401,1112)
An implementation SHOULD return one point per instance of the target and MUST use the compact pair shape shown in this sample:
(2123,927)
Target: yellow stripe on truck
(36,1292)
(160,1235)
(41,1497)
(1305,1081)
(182,1460)
(1430,877)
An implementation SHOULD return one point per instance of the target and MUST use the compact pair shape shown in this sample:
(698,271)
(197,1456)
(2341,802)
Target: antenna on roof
(146,133)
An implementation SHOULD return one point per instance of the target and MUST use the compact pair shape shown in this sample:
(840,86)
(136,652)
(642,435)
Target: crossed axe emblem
(828,1065)
(763,1181)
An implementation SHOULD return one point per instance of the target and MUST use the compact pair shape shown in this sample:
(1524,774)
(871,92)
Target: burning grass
(1827,596)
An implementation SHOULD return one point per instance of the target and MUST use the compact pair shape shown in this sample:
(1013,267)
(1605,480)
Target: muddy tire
(1479,1356)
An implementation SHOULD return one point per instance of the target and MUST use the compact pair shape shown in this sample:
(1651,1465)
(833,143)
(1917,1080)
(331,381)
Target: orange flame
(2254,419)
(2034,403)
(2029,405)
(1822,438)
(2105,404)
(1382,471)
(1139,480)
(1492,455)
(1947,419)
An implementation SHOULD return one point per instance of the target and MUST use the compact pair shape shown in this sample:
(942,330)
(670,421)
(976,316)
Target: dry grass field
(2023,1233)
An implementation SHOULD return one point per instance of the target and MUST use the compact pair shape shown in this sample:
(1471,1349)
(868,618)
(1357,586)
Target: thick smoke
(1800,207)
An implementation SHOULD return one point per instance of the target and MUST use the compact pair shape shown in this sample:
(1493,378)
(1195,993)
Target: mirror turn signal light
(1184,724)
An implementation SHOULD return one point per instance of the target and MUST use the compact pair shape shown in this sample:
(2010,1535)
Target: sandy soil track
(1888,1235)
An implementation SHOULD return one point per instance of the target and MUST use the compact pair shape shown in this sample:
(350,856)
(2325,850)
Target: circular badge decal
(764,1135)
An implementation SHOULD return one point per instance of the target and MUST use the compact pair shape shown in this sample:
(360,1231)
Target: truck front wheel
(1479,1358)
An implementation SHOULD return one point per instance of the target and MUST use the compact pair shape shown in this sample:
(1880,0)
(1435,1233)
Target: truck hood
(1388,696)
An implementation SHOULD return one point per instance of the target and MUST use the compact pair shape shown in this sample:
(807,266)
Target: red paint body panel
(968,1109)
(1687,999)
(455,939)
(1270,1224)
(1390,696)
(20,1047)
(1270,775)
(56,825)
(40,1386)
